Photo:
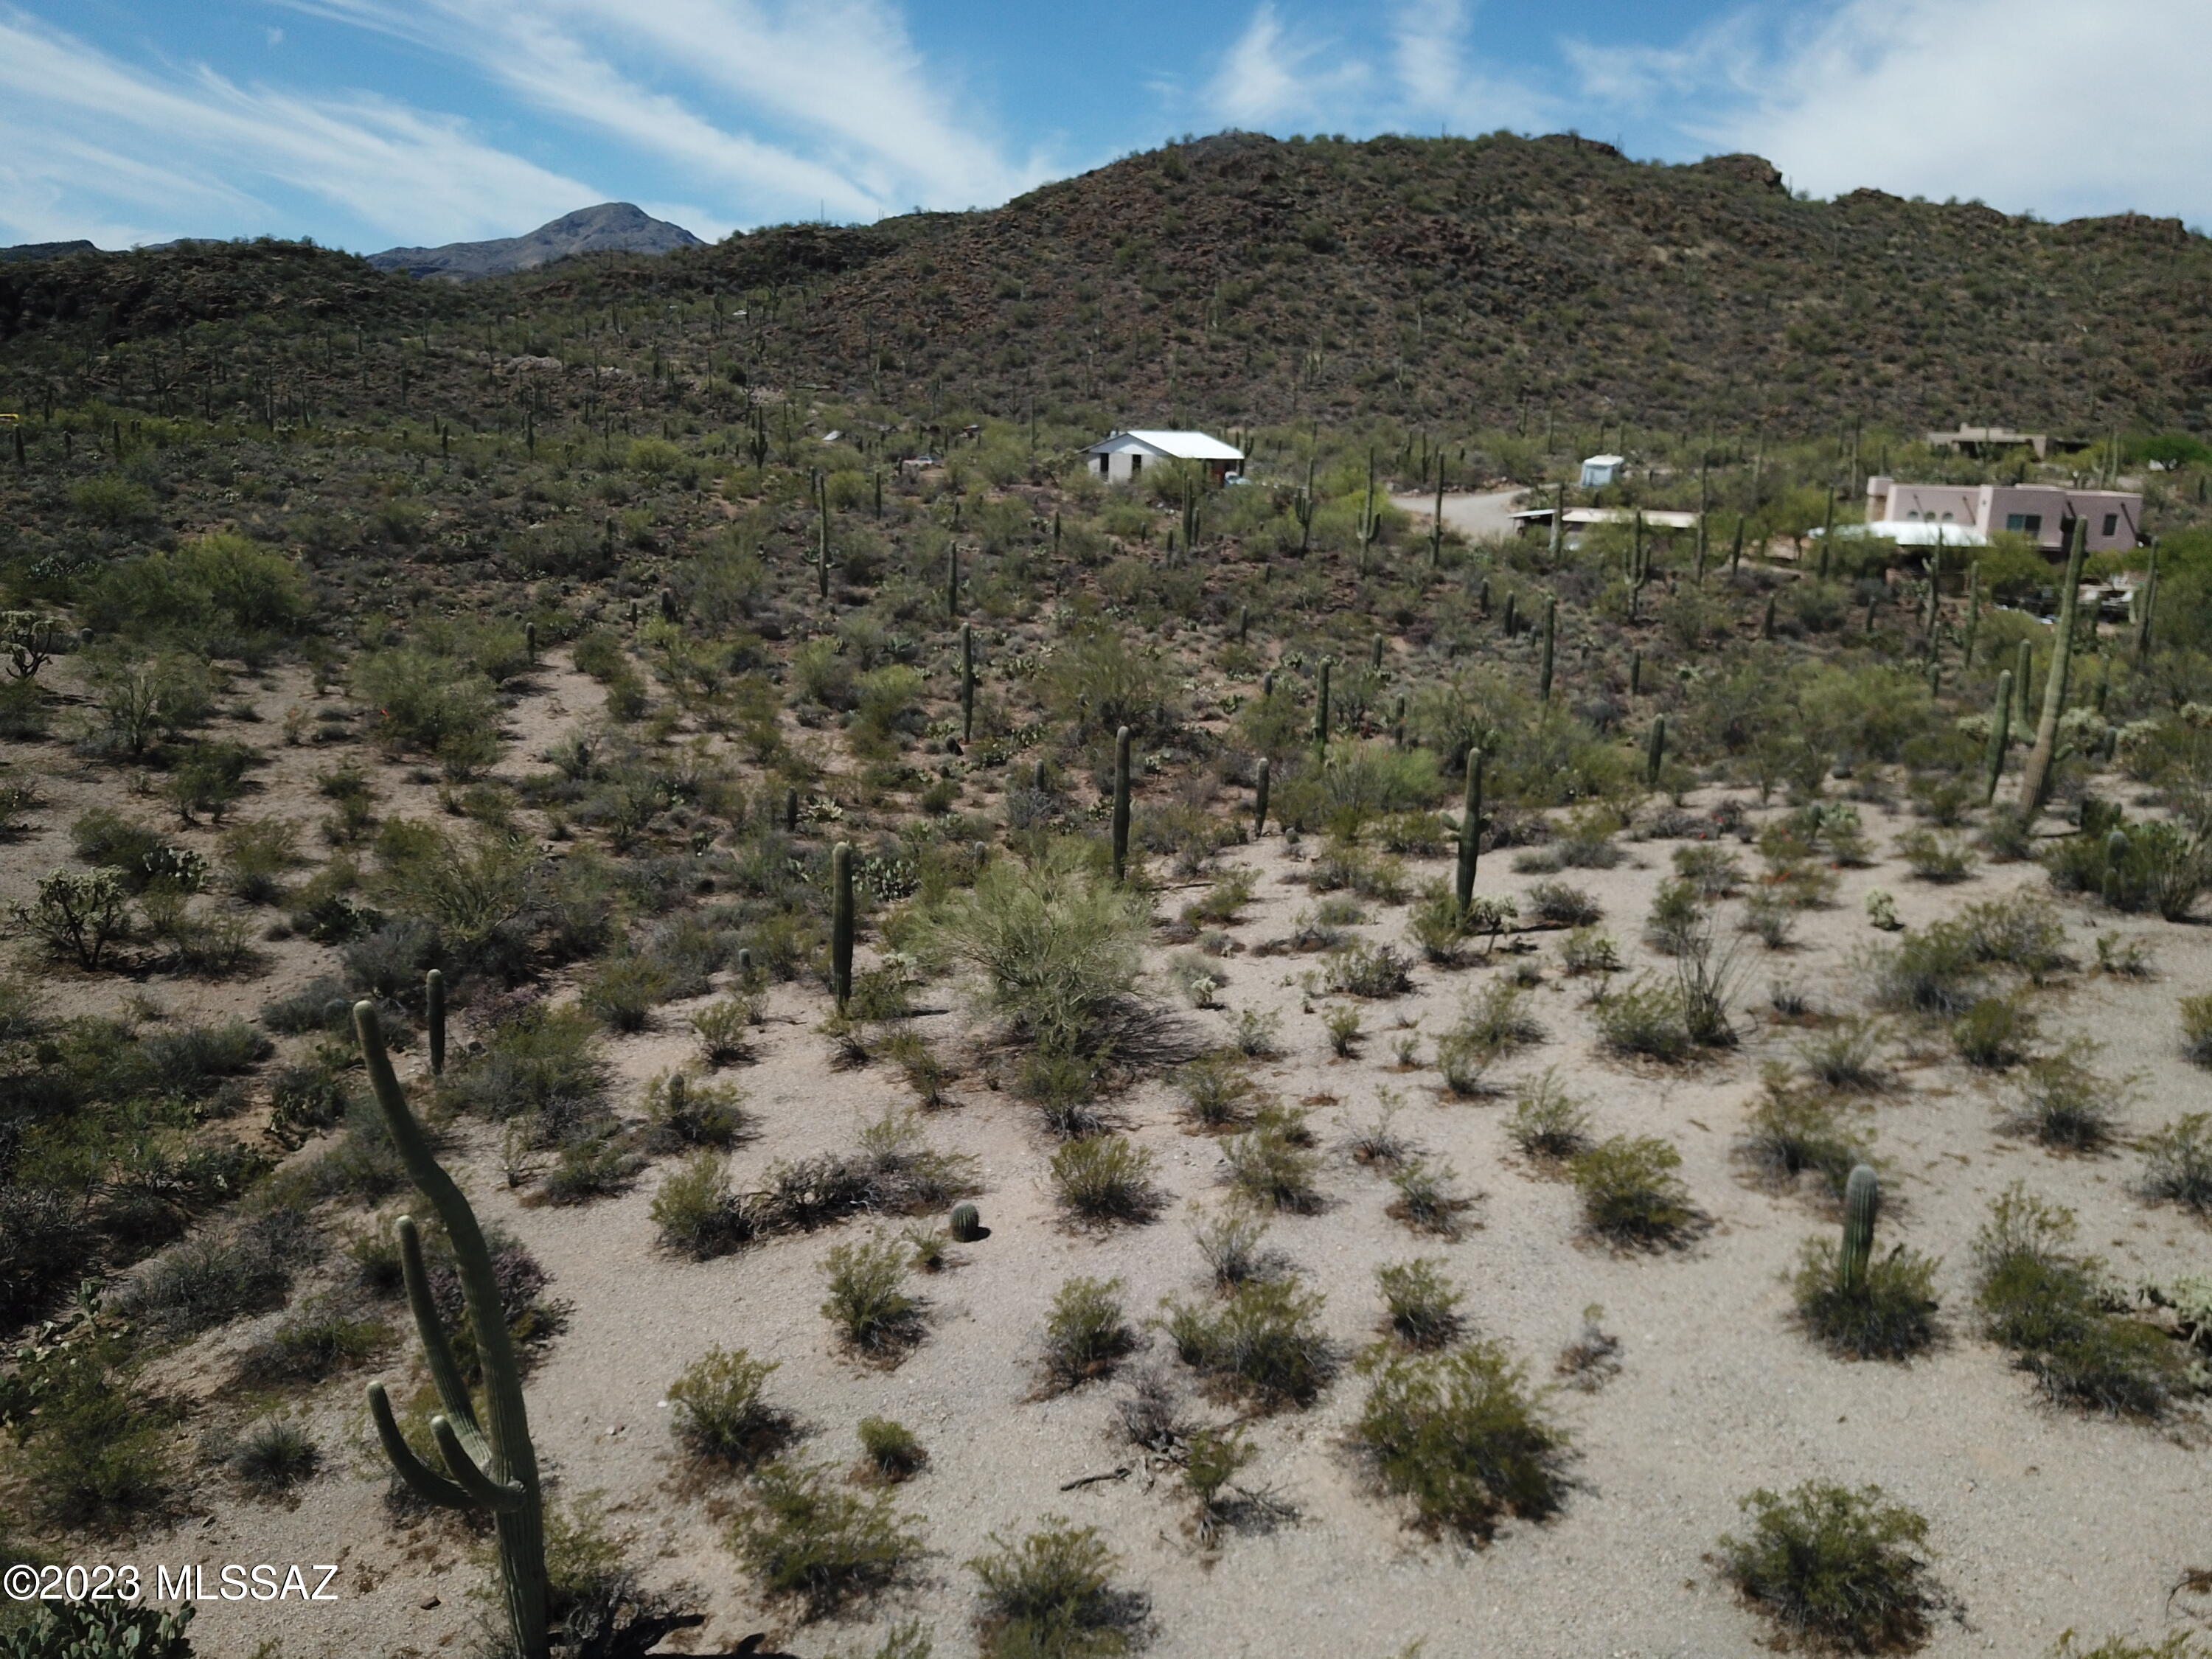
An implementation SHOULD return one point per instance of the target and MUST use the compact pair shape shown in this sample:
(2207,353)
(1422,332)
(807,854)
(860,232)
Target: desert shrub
(1630,1191)
(2156,865)
(720,1409)
(217,1277)
(1362,969)
(1789,1131)
(1891,1315)
(1842,1569)
(1260,1342)
(620,992)
(100,1629)
(890,1452)
(681,1113)
(97,1456)
(276,1456)
(1587,951)
(1257,1036)
(1426,1200)
(2019,931)
(725,1029)
(317,1341)
(1234,1246)
(543,1060)
(1060,949)
(1105,1177)
(1463,1437)
(79,913)
(1051,1596)
(1422,1306)
(1271,1165)
(590,1166)
(1933,857)
(1934,970)
(867,1302)
(1676,909)
(2042,1302)
(1096,684)
(1342,1025)
(1216,1092)
(1548,1122)
(1845,1055)
(1713,871)
(2065,1105)
(893,1172)
(2196,1029)
(805,1534)
(1085,1334)
(2177,1162)
(697,1213)
(1222,901)
(1645,1018)
(1995,1032)
(1559,905)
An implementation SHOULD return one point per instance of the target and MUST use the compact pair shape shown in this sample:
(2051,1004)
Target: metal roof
(1181,445)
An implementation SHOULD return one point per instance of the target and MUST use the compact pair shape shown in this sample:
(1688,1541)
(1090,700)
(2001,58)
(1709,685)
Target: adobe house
(2044,513)
(1121,457)
(1991,441)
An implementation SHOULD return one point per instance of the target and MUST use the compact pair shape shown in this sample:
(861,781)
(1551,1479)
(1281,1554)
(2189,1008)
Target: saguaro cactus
(1999,735)
(1121,802)
(1551,636)
(491,1466)
(790,809)
(1260,801)
(529,641)
(1470,833)
(1862,1197)
(967,682)
(2023,663)
(1321,710)
(433,1002)
(2144,607)
(1766,619)
(1635,673)
(1973,613)
(1655,752)
(841,923)
(1374,652)
(2035,776)
(952,582)
(1511,622)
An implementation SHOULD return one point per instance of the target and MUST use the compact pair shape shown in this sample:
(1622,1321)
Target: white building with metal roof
(1126,455)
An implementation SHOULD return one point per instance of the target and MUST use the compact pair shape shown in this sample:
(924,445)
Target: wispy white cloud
(2043,105)
(99,147)
(783,111)
(1279,74)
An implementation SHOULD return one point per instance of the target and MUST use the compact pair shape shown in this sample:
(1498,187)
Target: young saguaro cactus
(967,682)
(1470,833)
(1260,801)
(1321,711)
(1121,802)
(2035,776)
(1551,637)
(490,1464)
(434,1003)
(1862,1197)
(1655,752)
(841,923)
(1999,735)
(952,582)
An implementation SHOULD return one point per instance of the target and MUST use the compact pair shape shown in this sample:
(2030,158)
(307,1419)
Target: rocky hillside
(609,228)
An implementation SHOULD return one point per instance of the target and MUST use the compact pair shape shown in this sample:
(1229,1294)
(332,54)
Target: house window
(2112,524)
(1136,465)
(2030,522)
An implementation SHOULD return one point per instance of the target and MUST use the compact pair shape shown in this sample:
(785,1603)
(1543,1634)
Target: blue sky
(370,122)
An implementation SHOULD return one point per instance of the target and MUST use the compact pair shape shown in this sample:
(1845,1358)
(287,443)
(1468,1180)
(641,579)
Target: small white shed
(1599,471)
(1124,455)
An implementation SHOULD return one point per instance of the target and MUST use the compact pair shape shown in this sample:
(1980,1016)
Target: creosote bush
(1105,1178)
(1630,1191)
(1844,1570)
(720,1409)
(1085,1334)
(1421,1303)
(890,1452)
(1548,1122)
(1461,1435)
(1891,1315)
(1260,1342)
(805,1534)
(2177,1162)
(868,1303)
(1051,1596)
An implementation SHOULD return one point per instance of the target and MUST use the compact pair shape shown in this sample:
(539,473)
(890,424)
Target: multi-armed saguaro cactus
(1260,801)
(1999,735)
(1862,1197)
(2035,776)
(1551,634)
(841,922)
(1655,752)
(967,682)
(1121,802)
(434,1004)
(491,1465)
(1321,710)
(1470,834)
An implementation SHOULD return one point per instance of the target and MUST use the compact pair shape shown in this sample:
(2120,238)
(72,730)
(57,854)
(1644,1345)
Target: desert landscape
(1229,1061)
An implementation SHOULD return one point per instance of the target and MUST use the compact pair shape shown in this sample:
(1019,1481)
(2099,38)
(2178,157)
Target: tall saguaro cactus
(841,923)
(490,1465)
(1470,833)
(1551,636)
(1321,711)
(2144,607)
(952,581)
(1655,752)
(1260,801)
(2035,776)
(967,682)
(1121,802)
(1862,1197)
(434,1004)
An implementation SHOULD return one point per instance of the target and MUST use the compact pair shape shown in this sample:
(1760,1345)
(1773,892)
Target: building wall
(2114,516)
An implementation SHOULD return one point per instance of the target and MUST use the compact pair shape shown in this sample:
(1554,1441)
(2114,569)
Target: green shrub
(100,1629)
(1216,1092)
(621,992)
(2196,1029)
(1995,1032)
(591,1166)
(2042,1302)
(1421,1303)
(1426,1200)
(79,913)
(1233,1246)
(1547,1122)
(429,704)
(1051,1596)
(890,1452)
(1559,905)
(98,1454)
(720,1409)
(1342,1025)
(1461,1435)
(2177,1162)
(1271,1165)
(1260,1342)
(867,1302)
(1362,969)
(2065,1105)
(806,1536)
(1935,970)
(541,1059)
(681,1113)
(1105,1177)
(725,1029)
(2162,866)
(1085,1334)
(1645,1018)
(697,1213)
(1630,1191)
(1845,1055)
(1842,1569)
(317,1341)
(215,1278)
(1890,1315)
(1789,1131)
(276,1456)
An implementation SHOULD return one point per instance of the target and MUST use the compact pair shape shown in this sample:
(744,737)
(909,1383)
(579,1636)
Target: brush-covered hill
(1241,279)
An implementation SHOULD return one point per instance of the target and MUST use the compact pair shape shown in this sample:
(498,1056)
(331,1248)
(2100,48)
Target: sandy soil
(1476,514)
(2041,1519)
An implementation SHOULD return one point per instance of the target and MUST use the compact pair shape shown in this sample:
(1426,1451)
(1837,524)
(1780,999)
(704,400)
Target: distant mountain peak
(609,228)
